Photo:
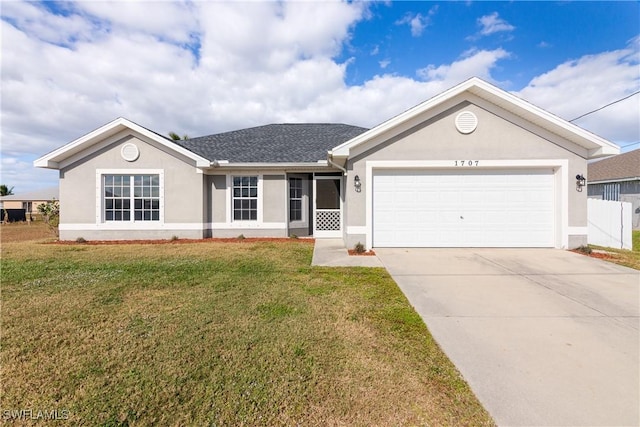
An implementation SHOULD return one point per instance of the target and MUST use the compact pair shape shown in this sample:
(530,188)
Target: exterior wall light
(357,183)
(580,182)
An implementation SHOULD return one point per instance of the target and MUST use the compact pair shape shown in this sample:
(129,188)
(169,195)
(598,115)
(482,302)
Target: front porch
(316,205)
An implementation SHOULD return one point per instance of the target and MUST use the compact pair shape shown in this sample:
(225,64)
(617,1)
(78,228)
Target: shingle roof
(276,143)
(622,166)
(36,195)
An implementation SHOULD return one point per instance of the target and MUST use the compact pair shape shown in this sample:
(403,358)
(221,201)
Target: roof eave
(221,164)
(46,164)
(604,151)
(609,180)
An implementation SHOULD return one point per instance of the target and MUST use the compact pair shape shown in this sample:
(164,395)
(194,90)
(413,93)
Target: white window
(131,197)
(245,198)
(295,199)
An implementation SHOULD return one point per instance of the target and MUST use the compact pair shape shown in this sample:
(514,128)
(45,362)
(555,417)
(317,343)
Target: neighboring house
(617,178)
(29,201)
(474,166)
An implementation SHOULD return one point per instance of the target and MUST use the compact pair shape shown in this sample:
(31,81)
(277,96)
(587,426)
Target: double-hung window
(131,197)
(245,198)
(295,199)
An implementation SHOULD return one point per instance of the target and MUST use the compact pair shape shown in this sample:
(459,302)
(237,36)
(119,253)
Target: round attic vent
(130,152)
(466,122)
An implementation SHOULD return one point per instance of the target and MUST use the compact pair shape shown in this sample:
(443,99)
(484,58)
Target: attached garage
(463,208)
(474,166)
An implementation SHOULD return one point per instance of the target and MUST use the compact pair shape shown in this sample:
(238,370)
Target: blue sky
(205,67)
(542,35)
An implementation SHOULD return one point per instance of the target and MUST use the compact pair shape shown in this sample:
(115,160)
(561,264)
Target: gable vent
(466,122)
(130,152)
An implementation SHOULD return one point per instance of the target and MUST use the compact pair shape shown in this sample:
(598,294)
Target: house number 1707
(466,163)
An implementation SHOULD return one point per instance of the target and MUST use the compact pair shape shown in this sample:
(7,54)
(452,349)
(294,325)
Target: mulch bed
(367,253)
(599,255)
(180,241)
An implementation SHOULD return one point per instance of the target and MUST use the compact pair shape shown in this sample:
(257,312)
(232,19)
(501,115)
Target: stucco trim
(356,229)
(168,226)
(247,225)
(142,225)
(577,231)
(559,166)
(595,145)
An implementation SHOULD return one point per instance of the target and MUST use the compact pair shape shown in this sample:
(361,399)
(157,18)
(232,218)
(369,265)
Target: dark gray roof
(277,143)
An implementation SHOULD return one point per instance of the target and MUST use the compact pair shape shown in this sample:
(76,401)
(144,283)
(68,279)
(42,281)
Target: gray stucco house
(617,178)
(474,166)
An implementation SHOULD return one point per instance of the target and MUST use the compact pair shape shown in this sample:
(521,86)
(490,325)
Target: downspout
(335,165)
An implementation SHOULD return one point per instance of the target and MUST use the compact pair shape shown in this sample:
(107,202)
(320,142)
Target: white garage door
(471,208)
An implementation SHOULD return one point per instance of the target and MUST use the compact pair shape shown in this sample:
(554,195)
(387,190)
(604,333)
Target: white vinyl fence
(609,223)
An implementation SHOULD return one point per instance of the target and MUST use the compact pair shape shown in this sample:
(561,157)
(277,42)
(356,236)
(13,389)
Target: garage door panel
(463,209)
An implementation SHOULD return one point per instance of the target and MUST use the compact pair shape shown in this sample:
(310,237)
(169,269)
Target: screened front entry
(328,206)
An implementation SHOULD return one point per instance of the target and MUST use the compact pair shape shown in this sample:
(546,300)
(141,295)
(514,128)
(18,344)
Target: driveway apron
(544,337)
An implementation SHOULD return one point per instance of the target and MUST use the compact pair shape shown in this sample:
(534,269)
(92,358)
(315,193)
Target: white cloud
(492,23)
(40,24)
(418,22)
(590,82)
(473,63)
(384,63)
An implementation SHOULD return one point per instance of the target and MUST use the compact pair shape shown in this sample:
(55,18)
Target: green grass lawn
(625,257)
(217,334)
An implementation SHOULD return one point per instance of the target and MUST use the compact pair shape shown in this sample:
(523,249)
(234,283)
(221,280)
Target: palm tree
(177,137)
(5,191)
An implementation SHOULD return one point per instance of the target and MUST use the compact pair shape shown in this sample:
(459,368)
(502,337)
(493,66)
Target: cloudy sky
(205,67)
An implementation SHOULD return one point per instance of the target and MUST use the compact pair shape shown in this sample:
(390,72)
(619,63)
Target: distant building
(617,178)
(29,201)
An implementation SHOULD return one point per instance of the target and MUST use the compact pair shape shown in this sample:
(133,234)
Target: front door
(327,206)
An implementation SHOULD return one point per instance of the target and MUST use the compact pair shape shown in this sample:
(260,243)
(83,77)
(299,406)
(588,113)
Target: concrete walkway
(544,337)
(332,253)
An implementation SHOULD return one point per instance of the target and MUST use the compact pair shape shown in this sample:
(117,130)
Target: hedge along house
(472,167)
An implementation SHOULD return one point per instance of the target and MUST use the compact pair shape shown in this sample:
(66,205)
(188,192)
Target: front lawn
(217,334)
(622,256)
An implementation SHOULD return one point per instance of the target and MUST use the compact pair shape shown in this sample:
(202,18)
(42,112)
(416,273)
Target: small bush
(584,249)
(50,212)
(241,237)
(359,248)
(293,236)
(174,238)
(81,240)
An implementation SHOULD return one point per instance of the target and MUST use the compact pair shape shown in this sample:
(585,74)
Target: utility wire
(605,106)
(629,145)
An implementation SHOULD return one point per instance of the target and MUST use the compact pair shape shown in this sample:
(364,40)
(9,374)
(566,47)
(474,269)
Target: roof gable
(56,158)
(594,145)
(621,167)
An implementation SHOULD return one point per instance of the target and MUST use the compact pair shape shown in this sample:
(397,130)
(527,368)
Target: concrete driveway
(544,337)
